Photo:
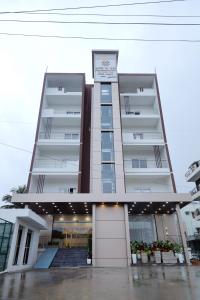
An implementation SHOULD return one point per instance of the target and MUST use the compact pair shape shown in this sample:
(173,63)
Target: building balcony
(195,193)
(143,138)
(141,96)
(139,119)
(61,91)
(59,138)
(144,167)
(57,166)
(193,173)
(64,113)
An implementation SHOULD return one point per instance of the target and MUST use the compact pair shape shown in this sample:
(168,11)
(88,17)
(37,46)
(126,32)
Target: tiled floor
(137,283)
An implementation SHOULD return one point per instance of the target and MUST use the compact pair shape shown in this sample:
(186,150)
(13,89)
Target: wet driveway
(138,283)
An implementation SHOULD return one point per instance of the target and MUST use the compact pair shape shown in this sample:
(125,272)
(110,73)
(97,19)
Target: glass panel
(68,232)
(135,163)
(19,237)
(142,228)
(106,117)
(27,247)
(108,178)
(107,146)
(143,163)
(106,93)
(5,238)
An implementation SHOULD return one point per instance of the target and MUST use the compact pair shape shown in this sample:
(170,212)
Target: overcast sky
(23,61)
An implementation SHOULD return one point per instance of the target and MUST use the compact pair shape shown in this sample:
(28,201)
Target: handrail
(144,164)
(60,135)
(192,168)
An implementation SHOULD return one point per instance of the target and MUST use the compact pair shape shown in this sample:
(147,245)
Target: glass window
(108,178)
(19,237)
(106,93)
(142,228)
(27,247)
(139,163)
(107,146)
(106,117)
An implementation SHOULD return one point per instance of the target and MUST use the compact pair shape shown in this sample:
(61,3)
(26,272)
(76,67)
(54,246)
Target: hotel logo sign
(105,68)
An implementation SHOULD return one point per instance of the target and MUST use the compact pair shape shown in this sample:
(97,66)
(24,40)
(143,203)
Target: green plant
(135,247)
(177,248)
(8,197)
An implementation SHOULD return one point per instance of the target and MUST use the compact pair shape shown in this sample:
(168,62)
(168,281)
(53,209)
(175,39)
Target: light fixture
(167,202)
(53,203)
(36,203)
(159,209)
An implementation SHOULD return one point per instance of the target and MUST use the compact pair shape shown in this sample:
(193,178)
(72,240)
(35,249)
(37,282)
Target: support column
(127,234)
(93,234)
(183,238)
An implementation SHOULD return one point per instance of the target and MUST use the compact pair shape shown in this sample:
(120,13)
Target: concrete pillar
(183,237)
(127,230)
(93,234)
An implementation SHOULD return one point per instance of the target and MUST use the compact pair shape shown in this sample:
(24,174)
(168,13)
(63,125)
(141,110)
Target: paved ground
(138,283)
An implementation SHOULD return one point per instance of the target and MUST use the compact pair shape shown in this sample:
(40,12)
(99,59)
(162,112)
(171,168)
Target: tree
(22,189)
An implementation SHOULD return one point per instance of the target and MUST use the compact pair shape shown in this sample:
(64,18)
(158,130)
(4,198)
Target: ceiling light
(53,203)
(159,209)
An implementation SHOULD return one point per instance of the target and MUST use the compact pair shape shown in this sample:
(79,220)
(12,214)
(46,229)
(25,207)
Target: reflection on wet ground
(137,283)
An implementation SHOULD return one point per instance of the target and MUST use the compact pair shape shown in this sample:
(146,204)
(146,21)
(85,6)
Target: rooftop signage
(105,67)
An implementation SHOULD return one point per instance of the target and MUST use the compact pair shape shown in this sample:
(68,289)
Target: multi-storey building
(191,212)
(101,165)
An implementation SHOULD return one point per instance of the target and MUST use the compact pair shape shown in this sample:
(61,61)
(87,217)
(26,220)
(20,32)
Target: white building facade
(101,166)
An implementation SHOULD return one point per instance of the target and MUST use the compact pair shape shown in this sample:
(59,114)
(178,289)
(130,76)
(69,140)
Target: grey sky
(23,62)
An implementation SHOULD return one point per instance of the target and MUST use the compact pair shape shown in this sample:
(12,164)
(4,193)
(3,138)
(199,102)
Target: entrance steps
(70,257)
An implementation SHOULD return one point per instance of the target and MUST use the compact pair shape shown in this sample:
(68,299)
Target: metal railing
(68,136)
(144,164)
(69,165)
(68,113)
(192,168)
(130,137)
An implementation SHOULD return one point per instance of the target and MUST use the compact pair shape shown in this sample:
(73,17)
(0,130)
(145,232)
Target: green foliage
(164,246)
(8,197)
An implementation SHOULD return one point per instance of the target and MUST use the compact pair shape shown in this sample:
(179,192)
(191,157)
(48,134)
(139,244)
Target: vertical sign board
(105,67)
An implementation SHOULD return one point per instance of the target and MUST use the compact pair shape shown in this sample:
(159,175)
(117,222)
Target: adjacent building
(191,212)
(101,168)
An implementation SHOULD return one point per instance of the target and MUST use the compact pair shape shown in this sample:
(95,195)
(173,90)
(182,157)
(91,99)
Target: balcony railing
(69,165)
(144,164)
(67,136)
(130,137)
(61,91)
(194,191)
(64,111)
(140,92)
(192,168)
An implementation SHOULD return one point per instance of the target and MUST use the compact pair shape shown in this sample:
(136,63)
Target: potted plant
(178,252)
(156,250)
(134,251)
(168,256)
(145,252)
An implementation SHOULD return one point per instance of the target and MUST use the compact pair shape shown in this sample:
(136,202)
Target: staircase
(70,257)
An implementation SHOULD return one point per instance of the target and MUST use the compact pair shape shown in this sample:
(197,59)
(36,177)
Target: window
(139,163)
(138,136)
(107,146)
(60,88)
(19,237)
(71,136)
(72,190)
(106,93)
(108,178)
(106,117)
(142,228)
(187,213)
(27,247)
